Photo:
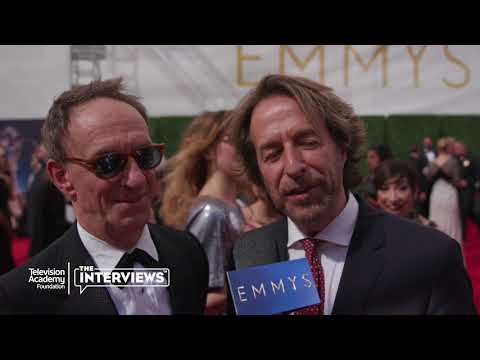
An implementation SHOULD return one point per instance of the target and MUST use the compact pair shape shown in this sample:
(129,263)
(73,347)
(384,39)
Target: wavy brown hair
(318,102)
(188,170)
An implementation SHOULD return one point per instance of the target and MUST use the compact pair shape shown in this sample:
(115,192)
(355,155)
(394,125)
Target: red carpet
(20,248)
(471,249)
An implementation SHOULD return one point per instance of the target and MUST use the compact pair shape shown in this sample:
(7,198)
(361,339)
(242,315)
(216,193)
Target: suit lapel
(169,262)
(94,300)
(280,234)
(364,262)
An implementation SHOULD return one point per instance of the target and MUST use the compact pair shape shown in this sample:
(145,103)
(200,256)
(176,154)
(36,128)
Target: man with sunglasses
(103,160)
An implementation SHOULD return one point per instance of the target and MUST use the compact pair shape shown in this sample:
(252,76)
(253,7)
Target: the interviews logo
(89,276)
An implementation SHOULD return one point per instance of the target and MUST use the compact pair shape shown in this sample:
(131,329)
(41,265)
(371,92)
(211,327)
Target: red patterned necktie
(311,253)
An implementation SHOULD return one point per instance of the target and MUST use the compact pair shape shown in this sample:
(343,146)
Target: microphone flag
(274,288)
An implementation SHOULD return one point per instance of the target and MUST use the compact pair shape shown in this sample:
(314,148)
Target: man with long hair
(302,144)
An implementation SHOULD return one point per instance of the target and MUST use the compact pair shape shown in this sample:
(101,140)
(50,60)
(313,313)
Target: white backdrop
(187,79)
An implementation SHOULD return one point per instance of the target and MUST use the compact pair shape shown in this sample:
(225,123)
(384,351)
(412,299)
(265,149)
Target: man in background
(45,207)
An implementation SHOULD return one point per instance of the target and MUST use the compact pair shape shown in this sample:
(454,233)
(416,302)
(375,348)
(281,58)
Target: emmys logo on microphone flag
(274,288)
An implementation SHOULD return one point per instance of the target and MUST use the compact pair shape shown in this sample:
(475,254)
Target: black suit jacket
(178,251)
(393,266)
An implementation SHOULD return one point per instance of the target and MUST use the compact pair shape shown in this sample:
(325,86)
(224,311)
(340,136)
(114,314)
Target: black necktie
(137,256)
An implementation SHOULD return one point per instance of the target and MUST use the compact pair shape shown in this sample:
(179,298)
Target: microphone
(273,288)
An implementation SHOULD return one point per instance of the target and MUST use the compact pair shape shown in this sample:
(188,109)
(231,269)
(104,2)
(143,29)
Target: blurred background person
(6,185)
(428,150)
(45,209)
(466,185)
(6,234)
(396,185)
(38,162)
(37,166)
(375,156)
(426,156)
(12,200)
(202,185)
(414,155)
(155,217)
(261,211)
(444,172)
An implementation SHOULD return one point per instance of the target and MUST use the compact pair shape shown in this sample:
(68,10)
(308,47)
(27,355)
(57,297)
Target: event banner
(177,80)
(375,79)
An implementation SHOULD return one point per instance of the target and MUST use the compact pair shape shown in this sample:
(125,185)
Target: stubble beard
(313,214)
(306,214)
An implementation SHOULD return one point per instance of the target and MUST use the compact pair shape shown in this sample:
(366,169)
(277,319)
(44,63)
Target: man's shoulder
(267,233)
(168,233)
(170,239)
(408,235)
(403,239)
(181,251)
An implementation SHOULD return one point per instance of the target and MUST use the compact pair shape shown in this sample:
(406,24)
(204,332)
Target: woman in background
(202,184)
(444,172)
(396,185)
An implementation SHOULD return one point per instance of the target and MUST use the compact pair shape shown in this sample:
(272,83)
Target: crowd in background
(442,182)
(437,186)
(203,190)
(41,215)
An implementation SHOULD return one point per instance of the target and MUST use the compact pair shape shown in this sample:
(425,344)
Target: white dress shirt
(332,249)
(129,300)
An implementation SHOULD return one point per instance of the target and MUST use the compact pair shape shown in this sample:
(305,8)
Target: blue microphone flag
(273,289)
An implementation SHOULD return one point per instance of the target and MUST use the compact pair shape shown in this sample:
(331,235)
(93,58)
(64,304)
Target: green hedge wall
(400,131)
(169,130)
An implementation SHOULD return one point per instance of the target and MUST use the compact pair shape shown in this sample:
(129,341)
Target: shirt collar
(107,256)
(338,232)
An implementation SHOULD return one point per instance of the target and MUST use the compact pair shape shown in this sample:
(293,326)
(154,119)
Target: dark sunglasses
(109,165)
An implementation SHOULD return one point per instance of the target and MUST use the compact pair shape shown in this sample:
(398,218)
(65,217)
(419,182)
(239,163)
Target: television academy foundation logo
(89,276)
(52,279)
